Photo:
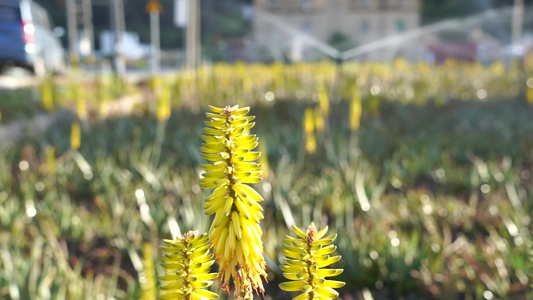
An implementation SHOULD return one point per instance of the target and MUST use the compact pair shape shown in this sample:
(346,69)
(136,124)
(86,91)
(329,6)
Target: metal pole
(118,21)
(88,24)
(154,36)
(197,34)
(72,26)
(190,42)
(518,20)
(193,35)
(181,13)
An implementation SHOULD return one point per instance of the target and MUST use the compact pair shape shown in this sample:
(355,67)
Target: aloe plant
(235,232)
(307,256)
(187,264)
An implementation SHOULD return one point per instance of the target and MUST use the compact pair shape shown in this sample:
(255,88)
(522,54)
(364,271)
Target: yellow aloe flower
(50,159)
(75,135)
(355,110)
(81,105)
(323,100)
(319,120)
(307,255)
(235,232)
(164,108)
(309,131)
(187,264)
(310,143)
(47,95)
(309,122)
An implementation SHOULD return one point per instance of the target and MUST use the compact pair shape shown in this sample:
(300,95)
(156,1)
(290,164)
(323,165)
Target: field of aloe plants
(425,173)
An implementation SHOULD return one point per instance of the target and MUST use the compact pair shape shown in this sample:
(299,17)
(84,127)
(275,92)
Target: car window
(35,16)
(49,21)
(39,17)
(9,14)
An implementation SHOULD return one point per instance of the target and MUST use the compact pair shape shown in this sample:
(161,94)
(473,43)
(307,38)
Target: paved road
(18,80)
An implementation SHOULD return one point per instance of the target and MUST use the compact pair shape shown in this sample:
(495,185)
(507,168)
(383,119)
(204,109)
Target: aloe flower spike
(306,259)
(235,232)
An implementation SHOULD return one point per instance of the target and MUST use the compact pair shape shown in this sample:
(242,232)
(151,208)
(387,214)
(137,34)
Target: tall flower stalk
(307,255)
(235,232)
(187,264)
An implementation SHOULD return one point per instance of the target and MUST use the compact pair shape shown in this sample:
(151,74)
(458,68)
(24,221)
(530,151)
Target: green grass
(19,104)
(449,190)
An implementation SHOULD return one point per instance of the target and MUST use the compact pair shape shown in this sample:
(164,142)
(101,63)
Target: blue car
(28,38)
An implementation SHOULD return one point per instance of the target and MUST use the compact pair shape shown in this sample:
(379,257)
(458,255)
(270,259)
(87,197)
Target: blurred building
(342,23)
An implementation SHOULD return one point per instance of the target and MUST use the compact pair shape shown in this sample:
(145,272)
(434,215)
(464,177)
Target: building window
(364,28)
(307,28)
(271,2)
(365,3)
(305,5)
(400,26)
